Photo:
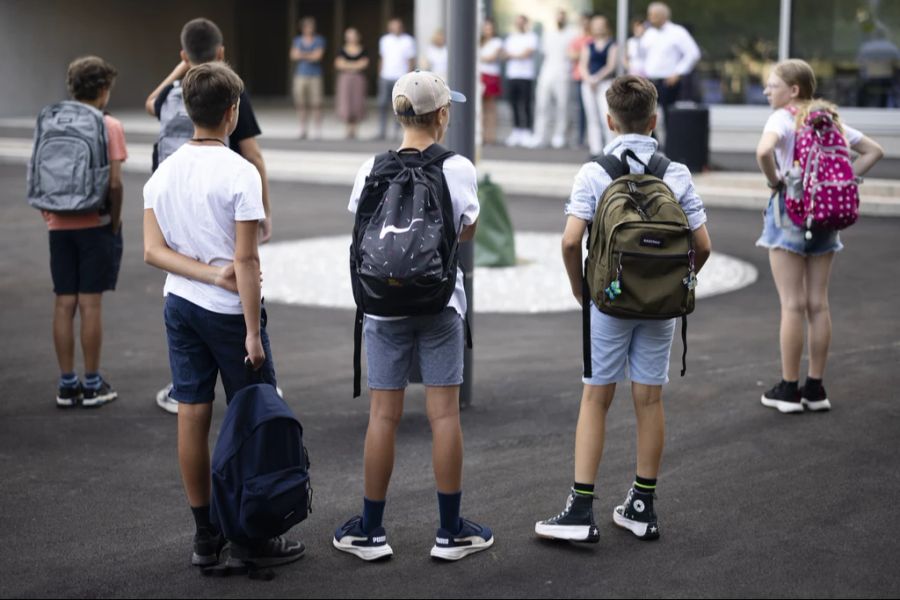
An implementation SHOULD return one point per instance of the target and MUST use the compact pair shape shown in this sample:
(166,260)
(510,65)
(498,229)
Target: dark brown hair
(200,40)
(209,89)
(88,76)
(632,103)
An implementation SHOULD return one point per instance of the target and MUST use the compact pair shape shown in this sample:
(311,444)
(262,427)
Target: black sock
(201,517)
(583,489)
(790,384)
(813,383)
(448,507)
(373,514)
(644,485)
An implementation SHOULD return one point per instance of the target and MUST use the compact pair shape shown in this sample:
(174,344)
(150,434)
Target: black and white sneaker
(207,548)
(94,397)
(470,538)
(69,396)
(814,397)
(267,553)
(785,397)
(636,514)
(351,538)
(574,523)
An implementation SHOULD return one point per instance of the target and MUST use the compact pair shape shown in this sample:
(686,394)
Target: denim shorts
(204,344)
(436,340)
(792,238)
(636,349)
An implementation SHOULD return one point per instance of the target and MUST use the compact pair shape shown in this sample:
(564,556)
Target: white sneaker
(165,402)
(533,141)
(514,139)
(558,142)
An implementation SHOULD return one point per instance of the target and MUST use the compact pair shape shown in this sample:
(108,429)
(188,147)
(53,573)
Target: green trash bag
(495,245)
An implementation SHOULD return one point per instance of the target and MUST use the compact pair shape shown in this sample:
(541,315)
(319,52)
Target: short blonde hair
(402,108)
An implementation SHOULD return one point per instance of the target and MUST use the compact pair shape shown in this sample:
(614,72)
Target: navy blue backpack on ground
(260,468)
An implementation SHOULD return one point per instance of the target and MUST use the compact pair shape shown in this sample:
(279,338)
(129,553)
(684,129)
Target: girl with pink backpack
(804,154)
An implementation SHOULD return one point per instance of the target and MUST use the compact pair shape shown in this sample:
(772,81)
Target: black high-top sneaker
(574,523)
(636,514)
(814,398)
(785,397)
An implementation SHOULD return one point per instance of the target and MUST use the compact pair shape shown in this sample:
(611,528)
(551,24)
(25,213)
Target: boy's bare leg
(385,410)
(651,428)
(442,406)
(90,309)
(193,451)
(591,430)
(64,331)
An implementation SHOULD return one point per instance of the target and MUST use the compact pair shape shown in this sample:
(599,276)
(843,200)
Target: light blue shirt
(308,68)
(592,180)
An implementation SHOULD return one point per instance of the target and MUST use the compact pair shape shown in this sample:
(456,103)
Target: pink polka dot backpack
(827,193)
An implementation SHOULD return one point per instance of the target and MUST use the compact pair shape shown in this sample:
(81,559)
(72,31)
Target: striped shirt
(592,181)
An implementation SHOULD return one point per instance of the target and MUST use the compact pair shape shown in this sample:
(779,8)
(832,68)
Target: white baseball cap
(425,91)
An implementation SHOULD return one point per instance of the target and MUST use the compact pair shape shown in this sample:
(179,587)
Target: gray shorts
(437,341)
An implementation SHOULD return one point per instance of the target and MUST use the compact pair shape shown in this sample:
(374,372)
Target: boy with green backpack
(647,241)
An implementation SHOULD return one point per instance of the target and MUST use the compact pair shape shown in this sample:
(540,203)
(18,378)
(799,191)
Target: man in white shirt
(397,51)
(519,47)
(669,52)
(553,83)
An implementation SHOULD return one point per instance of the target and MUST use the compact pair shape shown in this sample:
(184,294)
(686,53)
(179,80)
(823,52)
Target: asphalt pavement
(752,503)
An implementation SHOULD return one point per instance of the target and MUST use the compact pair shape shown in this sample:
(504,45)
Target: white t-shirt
(462,182)
(197,194)
(489,49)
(668,50)
(555,49)
(437,60)
(396,51)
(516,43)
(783,124)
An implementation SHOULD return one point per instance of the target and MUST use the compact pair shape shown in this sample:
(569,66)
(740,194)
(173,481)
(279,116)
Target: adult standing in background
(553,83)
(670,53)
(575,49)
(351,64)
(634,54)
(307,51)
(489,53)
(598,67)
(397,52)
(519,48)
(436,55)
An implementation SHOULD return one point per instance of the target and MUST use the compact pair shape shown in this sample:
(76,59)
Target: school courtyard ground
(752,503)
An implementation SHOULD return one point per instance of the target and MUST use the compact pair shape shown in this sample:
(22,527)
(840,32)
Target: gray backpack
(175,126)
(69,167)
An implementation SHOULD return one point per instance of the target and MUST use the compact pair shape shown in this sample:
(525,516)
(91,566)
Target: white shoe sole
(573,533)
(67,402)
(782,406)
(368,553)
(99,400)
(816,405)
(637,528)
(459,552)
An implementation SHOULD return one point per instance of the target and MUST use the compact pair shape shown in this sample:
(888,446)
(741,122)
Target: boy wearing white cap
(421,102)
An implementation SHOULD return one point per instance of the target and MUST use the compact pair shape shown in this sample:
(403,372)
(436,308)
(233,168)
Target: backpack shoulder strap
(435,154)
(357,353)
(614,167)
(658,165)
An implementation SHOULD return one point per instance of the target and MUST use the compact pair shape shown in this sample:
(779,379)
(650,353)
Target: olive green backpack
(640,259)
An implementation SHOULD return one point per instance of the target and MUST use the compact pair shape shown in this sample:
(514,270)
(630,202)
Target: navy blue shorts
(85,261)
(204,344)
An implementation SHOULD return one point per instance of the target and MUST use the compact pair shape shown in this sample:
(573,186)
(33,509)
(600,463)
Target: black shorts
(85,261)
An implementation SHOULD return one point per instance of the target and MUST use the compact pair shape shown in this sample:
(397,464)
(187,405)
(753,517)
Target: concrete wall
(39,38)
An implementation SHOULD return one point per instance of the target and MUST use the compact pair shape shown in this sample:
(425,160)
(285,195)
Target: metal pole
(621,34)
(784,31)
(462,26)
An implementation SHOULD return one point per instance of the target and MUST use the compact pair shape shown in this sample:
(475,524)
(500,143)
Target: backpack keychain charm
(614,290)
(690,282)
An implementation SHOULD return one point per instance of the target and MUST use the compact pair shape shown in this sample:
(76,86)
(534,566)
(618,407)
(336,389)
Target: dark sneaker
(575,522)
(637,515)
(268,553)
(785,397)
(99,396)
(470,538)
(814,397)
(207,548)
(69,396)
(351,538)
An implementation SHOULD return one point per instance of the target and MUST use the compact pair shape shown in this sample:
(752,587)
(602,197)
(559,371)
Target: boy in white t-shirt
(202,209)
(422,104)
(397,56)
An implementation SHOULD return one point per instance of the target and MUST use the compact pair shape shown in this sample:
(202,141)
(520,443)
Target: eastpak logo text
(651,242)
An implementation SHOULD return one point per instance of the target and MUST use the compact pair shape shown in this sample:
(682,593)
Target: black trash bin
(687,135)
